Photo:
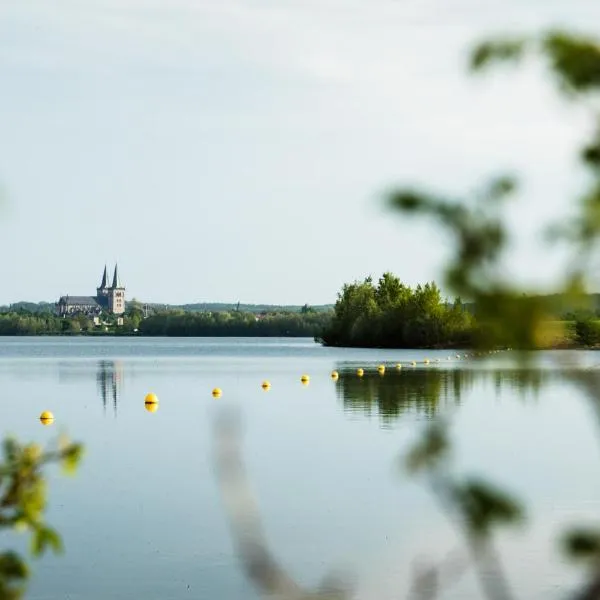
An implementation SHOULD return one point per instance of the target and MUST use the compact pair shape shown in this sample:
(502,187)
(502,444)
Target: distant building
(108,298)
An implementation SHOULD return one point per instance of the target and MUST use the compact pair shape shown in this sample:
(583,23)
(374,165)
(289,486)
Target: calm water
(143,517)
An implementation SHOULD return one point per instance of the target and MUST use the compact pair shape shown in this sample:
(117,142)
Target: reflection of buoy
(151,399)
(381,369)
(360,372)
(305,379)
(398,366)
(266,385)
(217,393)
(335,375)
(47,418)
(151,407)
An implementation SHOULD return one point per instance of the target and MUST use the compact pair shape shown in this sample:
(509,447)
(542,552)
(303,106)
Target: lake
(144,518)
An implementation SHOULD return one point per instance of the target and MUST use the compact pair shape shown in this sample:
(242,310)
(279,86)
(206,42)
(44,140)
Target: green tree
(23,502)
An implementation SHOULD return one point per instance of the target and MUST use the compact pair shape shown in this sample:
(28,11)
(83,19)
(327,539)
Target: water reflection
(425,391)
(109,380)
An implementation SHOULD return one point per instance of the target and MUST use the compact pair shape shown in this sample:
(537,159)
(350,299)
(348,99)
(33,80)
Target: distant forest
(48,307)
(306,322)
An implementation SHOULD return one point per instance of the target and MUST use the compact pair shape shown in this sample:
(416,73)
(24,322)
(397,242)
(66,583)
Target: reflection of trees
(424,391)
(109,379)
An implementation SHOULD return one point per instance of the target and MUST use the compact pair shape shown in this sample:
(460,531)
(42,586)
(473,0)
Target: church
(108,298)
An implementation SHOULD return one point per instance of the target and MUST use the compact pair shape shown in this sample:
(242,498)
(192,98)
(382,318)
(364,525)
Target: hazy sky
(226,150)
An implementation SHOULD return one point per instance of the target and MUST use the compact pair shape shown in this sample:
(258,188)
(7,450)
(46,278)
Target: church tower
(103,289)
(116,295)
(102,292)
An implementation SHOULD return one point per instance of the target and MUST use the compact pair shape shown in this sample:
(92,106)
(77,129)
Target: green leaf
(12,566)
(71,458)
(500,50)
(484,506)
(44,538)
(430,450)
(407,200)
(575,60)
(582,544)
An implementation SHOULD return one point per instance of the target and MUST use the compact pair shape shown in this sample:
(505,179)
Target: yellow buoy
(413,363)
(305,379)
(381,369)
(458,356)
(151,407)
(266,385)
(398,366)
(335,375)
(217,393)
(426,361)
(360,372)
(151,399)
(47,418)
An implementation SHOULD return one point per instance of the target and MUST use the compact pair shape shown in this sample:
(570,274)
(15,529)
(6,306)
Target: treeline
(245,308)
(390,314)
(29,307)
(30,323)
(307,323)
(234,323)
(34,323)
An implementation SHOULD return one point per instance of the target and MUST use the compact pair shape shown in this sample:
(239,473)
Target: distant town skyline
(239,150)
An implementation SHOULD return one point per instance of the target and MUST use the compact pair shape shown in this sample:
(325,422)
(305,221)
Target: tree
(392,315)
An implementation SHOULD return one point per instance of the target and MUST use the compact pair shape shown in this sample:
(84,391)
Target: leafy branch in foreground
(23,502)
(511,315)
(476,506)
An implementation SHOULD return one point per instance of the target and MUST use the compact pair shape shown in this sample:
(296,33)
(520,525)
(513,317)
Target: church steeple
(116,283)
(104,283)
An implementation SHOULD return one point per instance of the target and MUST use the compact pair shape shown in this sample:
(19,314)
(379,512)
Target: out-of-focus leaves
(430,451)
(582,544)
(496,51)
(44,538)
(13,573)
(499,188)
(484,506)
(573,58)
(23,502)
(591,152)
(576,60)
(71,458)
(12,566)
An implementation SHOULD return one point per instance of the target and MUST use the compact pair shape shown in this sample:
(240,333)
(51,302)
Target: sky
(240,150)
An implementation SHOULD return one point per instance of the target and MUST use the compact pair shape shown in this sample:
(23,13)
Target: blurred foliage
(507,314)
(587,331)
(23,499)
(390,314)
